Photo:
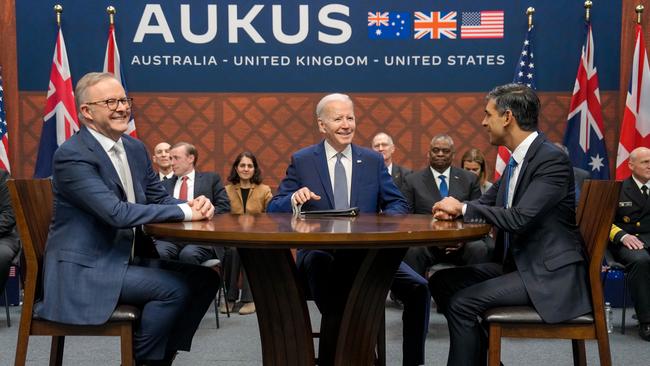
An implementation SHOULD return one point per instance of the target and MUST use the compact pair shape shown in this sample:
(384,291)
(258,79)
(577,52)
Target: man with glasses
(105,189)
(424,188)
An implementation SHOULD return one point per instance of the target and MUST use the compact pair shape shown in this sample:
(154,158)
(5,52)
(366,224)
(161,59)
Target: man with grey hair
(630,235)
(105,189)
(336,174)
(383,144)
(162,160)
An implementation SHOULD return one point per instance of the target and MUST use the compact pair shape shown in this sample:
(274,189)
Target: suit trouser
(173,298)
(232,268)
(329,279)
(184,252)
(637,266)
(9,247)
(463,294)
(472,252)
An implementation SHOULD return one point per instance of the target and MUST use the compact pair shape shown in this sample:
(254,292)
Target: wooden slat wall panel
(274,125)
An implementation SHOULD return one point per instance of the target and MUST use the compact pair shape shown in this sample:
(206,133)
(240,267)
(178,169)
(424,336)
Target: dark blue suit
(372,191)
(86,263)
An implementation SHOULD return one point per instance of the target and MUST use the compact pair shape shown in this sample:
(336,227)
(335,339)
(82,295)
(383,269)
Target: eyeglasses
(436,150)
(113,104)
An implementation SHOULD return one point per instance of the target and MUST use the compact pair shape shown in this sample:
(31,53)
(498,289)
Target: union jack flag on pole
(60,120)
(584,136)
(524,74)
(635,129)
(4,142)
(113,65)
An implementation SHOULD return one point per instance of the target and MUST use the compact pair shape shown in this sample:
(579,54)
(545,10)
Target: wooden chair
(32,202)
(598,203)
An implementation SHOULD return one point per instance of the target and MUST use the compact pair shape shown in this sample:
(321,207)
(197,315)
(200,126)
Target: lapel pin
(358,161)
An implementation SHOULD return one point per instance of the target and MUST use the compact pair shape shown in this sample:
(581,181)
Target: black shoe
(644,331)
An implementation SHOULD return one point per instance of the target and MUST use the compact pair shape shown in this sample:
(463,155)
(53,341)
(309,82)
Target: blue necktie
(512,164)
(444,189)
(340,185)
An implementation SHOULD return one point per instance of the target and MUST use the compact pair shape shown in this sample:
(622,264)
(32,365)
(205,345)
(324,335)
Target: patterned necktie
(512,164)
(123,172)
(444,189)
(644,190)
(340,185)
(182,193)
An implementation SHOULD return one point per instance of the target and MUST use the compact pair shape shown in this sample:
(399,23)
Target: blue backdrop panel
(268,46)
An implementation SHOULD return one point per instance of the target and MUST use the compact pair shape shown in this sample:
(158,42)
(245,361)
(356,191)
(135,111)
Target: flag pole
(529,12)
(58,9)
(639,10)
(588,5)
(111,14)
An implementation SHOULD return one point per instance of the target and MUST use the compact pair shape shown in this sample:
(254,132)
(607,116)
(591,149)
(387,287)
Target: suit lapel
(633,191)
(136,171)
(522,178)
(198,181)
(430,184)
(320,160)
(357,172)
(104,160)
(455,183)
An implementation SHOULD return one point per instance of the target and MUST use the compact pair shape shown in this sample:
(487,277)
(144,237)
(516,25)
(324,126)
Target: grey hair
(331,98)
(88,80)
(443,136)
(390,139)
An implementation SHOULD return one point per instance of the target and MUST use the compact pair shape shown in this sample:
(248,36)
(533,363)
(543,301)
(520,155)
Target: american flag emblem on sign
(435,24)
(483,24)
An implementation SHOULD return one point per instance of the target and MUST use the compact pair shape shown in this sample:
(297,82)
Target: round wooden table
(263,242)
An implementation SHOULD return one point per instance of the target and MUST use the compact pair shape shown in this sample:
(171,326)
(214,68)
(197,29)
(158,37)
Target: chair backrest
(595,214)
(33,206)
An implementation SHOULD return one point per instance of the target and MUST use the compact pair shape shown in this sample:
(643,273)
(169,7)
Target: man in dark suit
(163,161)
(317,179)
(383,144)
(104,189)
(188,183)
(424,188)
(539,255)
(630,235)
(9,243)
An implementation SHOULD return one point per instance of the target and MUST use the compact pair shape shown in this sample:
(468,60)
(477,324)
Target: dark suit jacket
(544,239)
(206,184)
(90,239)
(421,191)
(399,174)
(633,214)
(7,218)
(372,190)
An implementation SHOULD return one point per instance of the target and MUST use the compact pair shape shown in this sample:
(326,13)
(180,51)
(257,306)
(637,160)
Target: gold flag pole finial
(639,10)
(588,5)
(58,9)
(530,11)
(111,14)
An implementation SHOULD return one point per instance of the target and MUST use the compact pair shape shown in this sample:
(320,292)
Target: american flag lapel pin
(359,162)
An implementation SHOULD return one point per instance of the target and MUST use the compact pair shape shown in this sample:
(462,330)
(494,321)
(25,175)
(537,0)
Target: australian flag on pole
(584,136)
(60,118)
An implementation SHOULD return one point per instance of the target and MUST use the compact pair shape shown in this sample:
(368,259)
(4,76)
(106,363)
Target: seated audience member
(9,243)
(317,180)
(540,258)
(383,144)
(105,189)
(630,235)
(424,188)
(186,184)
(474,161)
(162,161)
(247,195)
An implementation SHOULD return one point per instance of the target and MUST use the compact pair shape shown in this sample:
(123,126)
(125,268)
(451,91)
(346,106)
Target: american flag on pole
(584,136)
(483,24)
(4,143)
(524,74)
(113,65)
(434,24)
(60,120)
(635,129)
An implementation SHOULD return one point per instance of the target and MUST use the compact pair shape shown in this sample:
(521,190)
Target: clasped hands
(448,208)
(202,208)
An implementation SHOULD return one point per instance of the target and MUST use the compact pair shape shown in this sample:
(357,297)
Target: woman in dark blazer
(247,195)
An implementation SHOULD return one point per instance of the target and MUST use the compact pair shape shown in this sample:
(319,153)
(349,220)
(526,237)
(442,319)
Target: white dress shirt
(190,185)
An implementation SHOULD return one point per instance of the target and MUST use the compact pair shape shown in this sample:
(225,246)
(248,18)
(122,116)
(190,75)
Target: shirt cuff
(187,211)
(464,208)
(295,208)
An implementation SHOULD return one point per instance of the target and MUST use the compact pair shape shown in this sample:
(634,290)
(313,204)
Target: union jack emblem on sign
(435,25)
(378,19)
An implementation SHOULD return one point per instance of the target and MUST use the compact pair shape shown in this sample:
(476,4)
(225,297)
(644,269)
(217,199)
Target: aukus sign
(293,46)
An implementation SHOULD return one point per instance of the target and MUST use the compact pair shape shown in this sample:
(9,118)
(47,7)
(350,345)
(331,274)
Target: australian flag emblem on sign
(389,25)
